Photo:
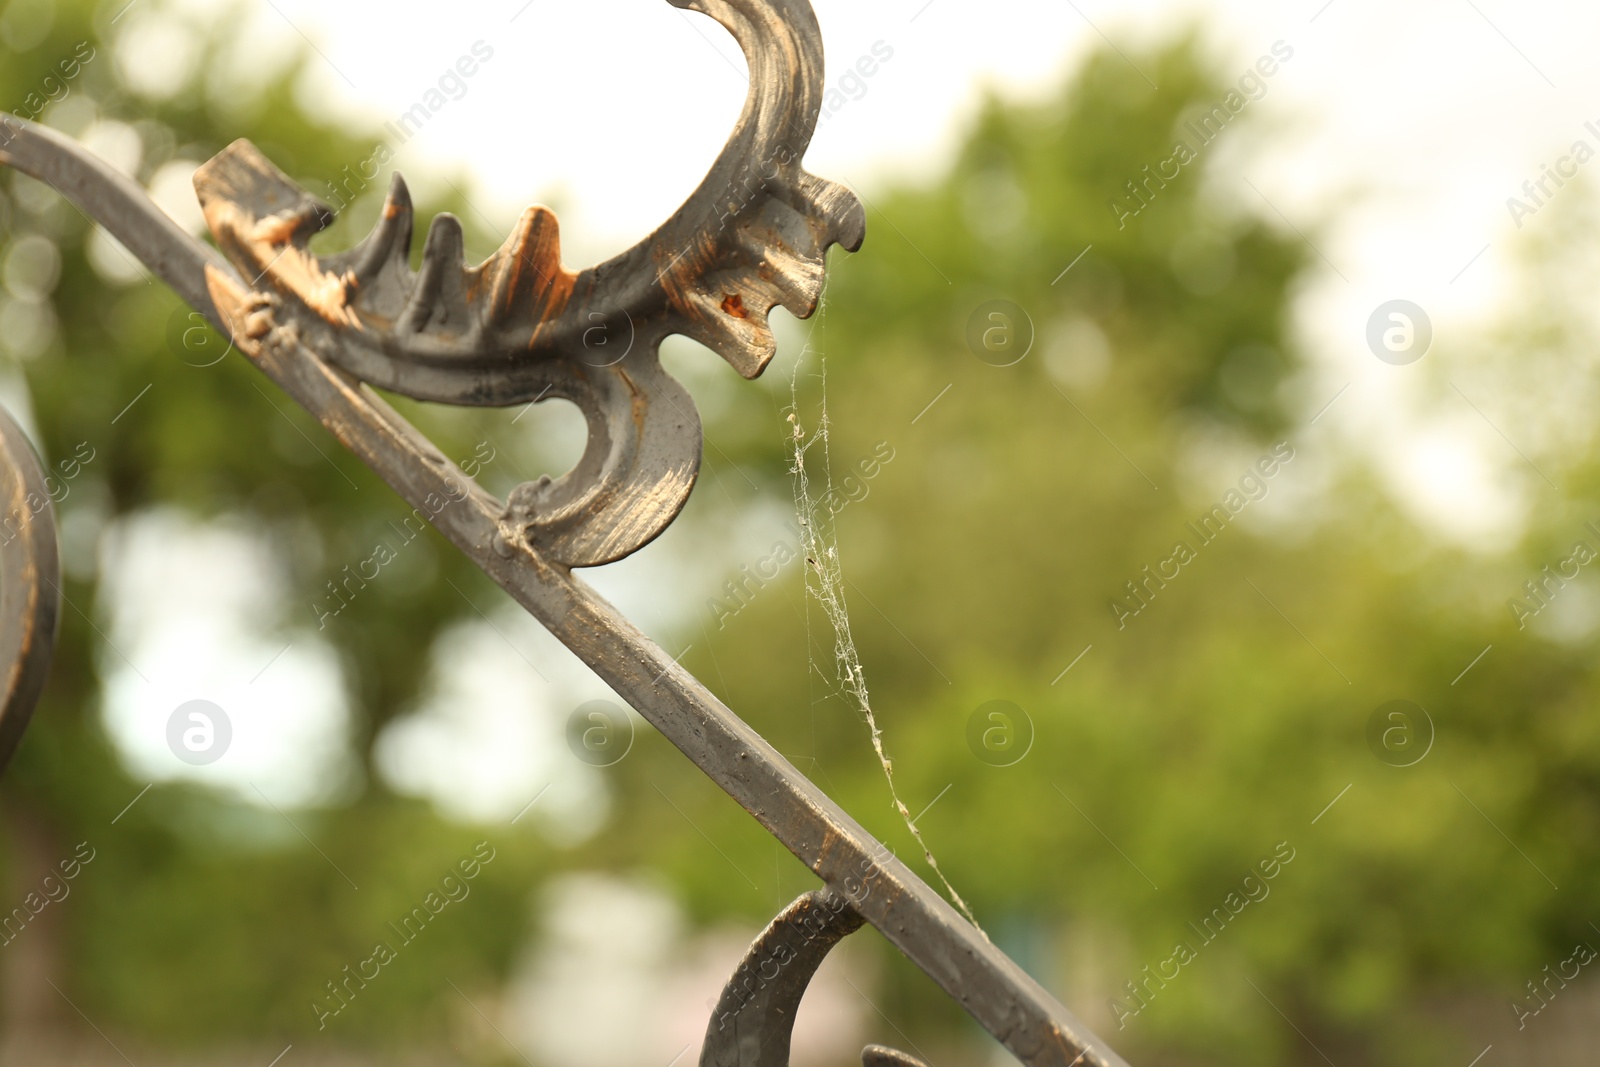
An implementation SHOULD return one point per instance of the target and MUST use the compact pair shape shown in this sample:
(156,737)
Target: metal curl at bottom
(754,1018)
(30,583)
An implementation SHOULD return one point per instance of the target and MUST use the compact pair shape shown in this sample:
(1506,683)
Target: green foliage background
(981,563)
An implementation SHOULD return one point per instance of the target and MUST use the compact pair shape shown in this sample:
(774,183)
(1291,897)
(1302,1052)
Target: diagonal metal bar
(307,337)
(917,920)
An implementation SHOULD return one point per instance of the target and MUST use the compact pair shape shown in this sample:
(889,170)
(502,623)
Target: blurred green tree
(1033,514)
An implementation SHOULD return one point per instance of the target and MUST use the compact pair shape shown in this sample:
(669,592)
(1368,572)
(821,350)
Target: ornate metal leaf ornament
(521,327)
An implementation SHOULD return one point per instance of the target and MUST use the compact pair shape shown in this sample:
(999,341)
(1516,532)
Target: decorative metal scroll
(326,329)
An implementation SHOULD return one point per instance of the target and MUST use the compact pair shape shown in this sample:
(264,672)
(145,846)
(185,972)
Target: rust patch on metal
(526,281)
(274,229)
(233,306)
(268,247)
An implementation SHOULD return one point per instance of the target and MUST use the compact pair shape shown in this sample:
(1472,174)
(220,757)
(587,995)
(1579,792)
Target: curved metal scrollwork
(30,583)
(518,328)
(754,1018)
(753,1022)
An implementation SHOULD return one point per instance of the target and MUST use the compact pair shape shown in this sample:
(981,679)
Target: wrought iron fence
(519,328)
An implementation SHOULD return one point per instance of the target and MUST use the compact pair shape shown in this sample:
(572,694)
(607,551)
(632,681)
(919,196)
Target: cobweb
(825,581)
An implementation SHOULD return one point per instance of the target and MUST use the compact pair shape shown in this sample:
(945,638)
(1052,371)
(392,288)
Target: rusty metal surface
(754,1018)
(30,583)
(916,919)
(520,327)
(753,236)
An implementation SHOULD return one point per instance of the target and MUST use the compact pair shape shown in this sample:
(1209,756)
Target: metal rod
(888,894)
(295,346)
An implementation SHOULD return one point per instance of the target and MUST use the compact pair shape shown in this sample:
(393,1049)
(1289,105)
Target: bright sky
(616,107)
(1399,131)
